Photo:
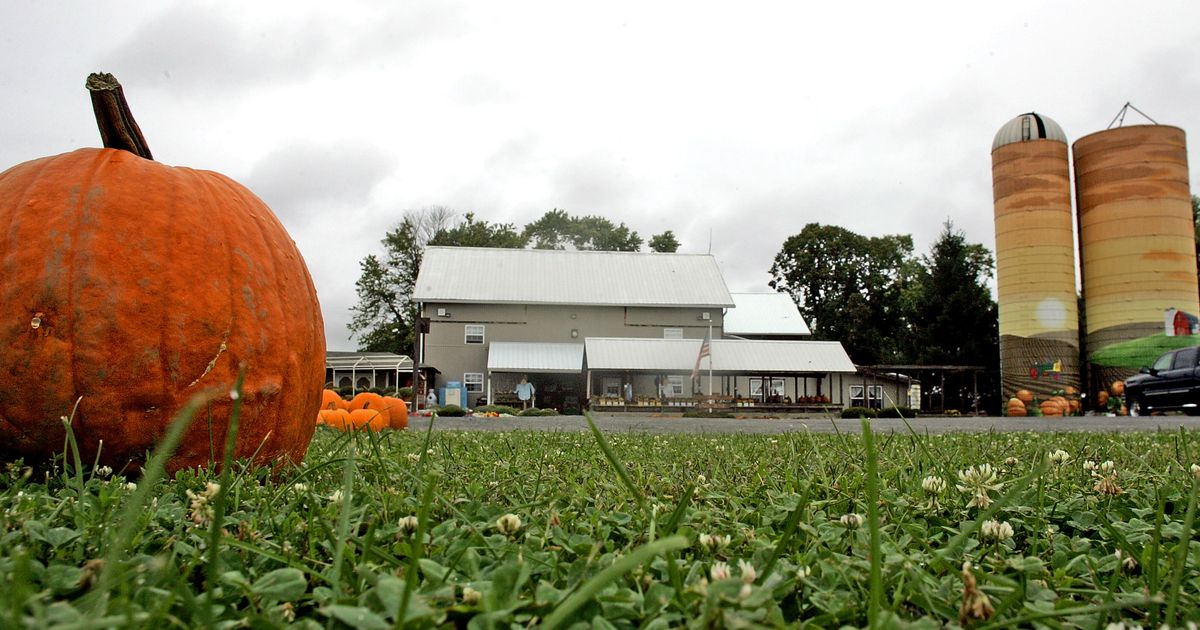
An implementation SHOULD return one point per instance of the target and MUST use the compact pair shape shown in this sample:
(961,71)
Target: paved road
(654,423)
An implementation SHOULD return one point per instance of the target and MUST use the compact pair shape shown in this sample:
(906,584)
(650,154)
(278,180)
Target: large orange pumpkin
(1016,407)
(131,286)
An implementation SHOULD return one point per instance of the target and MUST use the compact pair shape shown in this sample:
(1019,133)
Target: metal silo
(1035,257)
(1138,248)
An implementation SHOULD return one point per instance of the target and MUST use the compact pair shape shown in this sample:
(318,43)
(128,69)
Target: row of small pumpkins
(1069,404)
(1053,406)
(365,411)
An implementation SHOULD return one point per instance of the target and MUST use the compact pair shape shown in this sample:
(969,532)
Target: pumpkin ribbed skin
(150,284)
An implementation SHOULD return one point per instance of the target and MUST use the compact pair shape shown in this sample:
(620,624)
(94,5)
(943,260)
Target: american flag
(705,351)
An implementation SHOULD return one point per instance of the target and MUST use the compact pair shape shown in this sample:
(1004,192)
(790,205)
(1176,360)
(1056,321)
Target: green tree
(665,242)
(954,316)
(383,318)
(559,230)
(955,321)
(471,232)
(1196,225)
(849,288)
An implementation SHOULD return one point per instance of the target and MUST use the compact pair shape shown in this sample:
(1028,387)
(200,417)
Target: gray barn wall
(446,349)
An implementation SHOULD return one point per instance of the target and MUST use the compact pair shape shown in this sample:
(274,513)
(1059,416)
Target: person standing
(525,392)
(628,393)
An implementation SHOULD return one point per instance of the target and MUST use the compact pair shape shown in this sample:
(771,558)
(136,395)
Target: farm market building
(580,325)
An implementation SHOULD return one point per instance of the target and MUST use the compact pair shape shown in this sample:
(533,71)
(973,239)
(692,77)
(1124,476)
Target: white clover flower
(998,531)
(1129,563)
(1108,468)
(747,571)
(471,596)
(1059,457)
(1196,470)
(287,612)
(933,485)
(336,497)
(200,509)
(803,572)
(1011,461)
(103,471)
(300,487)
(130,486)
(408,525)
(719,571)
(508,524)
(413,457)
(979,481)
(701,480)
(851,521)
(1089,466)
(714,542)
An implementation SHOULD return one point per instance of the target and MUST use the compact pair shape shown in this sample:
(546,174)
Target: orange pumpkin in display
(1016,408)
(331,399)
(397,412)
(1117,388)
(335,418)
(1025,396)
(131,286)
(371,419)
(1051,408)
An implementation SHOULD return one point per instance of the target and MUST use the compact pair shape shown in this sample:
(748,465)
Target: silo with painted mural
(1035,258)
(1138,249)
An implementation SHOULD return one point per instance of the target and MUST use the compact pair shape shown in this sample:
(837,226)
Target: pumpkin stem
(118,129)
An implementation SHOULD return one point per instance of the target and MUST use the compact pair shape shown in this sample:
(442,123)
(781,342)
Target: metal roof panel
(542,276)
(764,314)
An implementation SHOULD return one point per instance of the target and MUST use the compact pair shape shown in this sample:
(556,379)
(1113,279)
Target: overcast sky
(743,121)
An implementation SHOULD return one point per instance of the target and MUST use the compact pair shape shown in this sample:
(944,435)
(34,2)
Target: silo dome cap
(1031,126)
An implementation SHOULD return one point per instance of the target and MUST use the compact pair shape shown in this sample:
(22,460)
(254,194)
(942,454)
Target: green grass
(1140,353)
(615,530)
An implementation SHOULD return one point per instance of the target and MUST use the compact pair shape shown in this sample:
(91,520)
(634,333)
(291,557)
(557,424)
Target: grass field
(489,530)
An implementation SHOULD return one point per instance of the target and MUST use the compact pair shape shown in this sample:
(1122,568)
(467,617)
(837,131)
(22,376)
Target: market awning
(729,356)
(519,356)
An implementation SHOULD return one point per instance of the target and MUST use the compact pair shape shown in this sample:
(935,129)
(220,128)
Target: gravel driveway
(656,423)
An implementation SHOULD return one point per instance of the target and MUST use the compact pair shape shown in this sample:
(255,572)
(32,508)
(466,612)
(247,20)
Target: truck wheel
(1135,407)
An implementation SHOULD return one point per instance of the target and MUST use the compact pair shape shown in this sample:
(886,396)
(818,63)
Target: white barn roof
(736,356)
(542,276)
(764,314)
(518,356)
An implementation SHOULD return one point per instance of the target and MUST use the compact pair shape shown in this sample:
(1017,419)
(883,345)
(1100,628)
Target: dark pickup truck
(1172,383)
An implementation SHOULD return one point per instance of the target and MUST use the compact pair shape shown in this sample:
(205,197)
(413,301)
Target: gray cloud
(303,178)
(200,47)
